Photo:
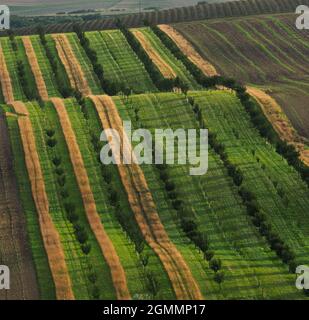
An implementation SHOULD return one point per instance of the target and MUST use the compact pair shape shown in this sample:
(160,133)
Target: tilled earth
(14,247)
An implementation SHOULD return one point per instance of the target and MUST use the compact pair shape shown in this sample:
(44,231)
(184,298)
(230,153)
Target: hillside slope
(264,51)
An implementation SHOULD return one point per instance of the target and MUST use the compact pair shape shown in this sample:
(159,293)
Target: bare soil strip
(5,80)
(280,121)
(15,251)
(183,44)
(71,64)
(106,245)
(166,70)
(50,235)
(32,59)
(145,211)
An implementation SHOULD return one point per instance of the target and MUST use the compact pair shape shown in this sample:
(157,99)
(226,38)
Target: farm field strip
(127,253)
(73,68)
(155,45)
(280,122)
(165,68)
(107,247)
(145,212)
(15,251)
(9,58)
(50,235)
(45,67)
(76,261)
(6,85)
(85,64)
(32,59)
(28,83)
(246,258)
(286,217)
(81,264)
(43,274)
(120,63)
(207,68)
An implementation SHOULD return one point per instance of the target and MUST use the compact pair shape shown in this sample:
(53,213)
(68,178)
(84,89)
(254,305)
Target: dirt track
(106,245)
(71,64)
(280,121)
(207,68)
(32,59)
(144,208)
(50,235)
(15,251)
(166,70)
(5,80)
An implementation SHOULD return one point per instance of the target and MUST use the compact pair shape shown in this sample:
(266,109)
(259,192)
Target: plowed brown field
(15,251)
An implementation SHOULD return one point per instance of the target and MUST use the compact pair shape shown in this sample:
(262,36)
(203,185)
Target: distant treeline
(183,14)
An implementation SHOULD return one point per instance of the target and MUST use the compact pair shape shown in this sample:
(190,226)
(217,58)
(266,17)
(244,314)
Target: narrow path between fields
(32,59)
(51,238)
(106,245)
(71,64)
(144,208)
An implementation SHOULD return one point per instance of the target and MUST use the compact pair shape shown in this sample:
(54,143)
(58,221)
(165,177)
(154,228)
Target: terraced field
(265,51)
(89,230)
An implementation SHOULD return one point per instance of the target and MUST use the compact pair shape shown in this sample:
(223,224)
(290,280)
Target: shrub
(92,277)
(173,195)
(64,193)
(114,197)
(51,143)
(219,277)
(170,186)
(164,175)
(61,180)
(246,195)
(215,264)
(292,266)
(209,254)
(57,161)
(177,204)
(72,217)
(107,176)
(96,293)
(50,132)
(252,208)
(81,236)
(59,171)
(86,248)
(69,207)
